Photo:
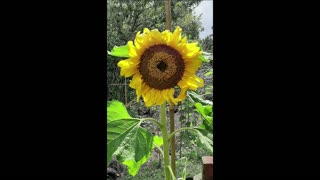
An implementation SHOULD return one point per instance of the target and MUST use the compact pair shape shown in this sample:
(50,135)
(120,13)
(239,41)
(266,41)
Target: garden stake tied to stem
(171,104)
(157,62)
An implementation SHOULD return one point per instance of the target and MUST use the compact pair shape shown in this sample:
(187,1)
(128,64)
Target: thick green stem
(164,131)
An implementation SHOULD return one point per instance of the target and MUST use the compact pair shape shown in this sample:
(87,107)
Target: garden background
(124,19)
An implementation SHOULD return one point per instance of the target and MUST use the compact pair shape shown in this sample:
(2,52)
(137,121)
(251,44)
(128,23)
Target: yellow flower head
(159,61)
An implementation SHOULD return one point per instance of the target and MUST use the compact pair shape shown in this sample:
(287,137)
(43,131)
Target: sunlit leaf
(131,143)
(117,132)
(208,73)
(119,51)
(202,58)
(157,141)
(135,150)
(207,114)
(116,110)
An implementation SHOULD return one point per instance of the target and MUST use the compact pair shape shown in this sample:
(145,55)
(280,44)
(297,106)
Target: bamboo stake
(168,14)
(173,141)
(125,90)
(171,107)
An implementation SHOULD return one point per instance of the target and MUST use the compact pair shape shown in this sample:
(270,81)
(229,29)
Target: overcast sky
(206,8)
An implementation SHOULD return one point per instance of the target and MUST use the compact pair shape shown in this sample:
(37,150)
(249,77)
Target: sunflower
(158,62)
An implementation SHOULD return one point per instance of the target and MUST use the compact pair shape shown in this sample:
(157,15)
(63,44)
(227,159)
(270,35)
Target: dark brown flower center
(161,67)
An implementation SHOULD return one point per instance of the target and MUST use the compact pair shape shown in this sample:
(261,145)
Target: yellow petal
(192,65)
(136,81)
(153,94)
(144,89)
(150,96)
(147,100)
(157,97)
(176,36)
(166,95)
(138,91)
(182,94)
(192,46)
(167,37)
(181,46)
(146,30)
(146,97)
(156,36)
(128,67)
(171,95)
(163,96)
(182,83)
(132,49)
(194,82)
(192,54)
(136,41)
(148,103)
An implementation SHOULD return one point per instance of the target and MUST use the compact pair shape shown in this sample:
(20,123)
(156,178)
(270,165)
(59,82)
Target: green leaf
(136,149)
(116,110)
(207,113)
(157,141)
(117,131)
(184,173)
(208,73)
(202,58)
(119,51)
(205,131)
(206,139)
(208,56)
(131,143)
(194,97)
